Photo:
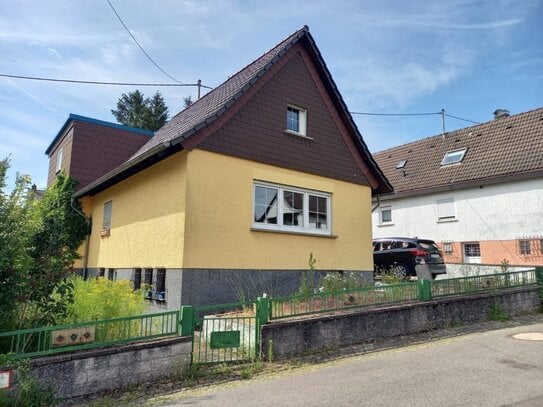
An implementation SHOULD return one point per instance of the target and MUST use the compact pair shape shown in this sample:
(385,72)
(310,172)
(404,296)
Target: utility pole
(443,122)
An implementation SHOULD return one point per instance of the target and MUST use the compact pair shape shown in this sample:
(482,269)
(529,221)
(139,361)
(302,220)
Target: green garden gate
(225,332)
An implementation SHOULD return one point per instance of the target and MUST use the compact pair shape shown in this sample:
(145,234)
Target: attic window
(401,164)
(453,157)
(296,120)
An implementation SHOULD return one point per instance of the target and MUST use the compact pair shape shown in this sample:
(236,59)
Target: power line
(459,118)
(100,82)
(396,114)
(138,44)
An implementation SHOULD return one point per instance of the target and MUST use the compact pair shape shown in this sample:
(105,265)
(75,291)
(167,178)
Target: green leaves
(39,239)
(135,111)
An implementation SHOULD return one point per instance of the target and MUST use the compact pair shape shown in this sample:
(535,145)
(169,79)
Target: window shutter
(445,209)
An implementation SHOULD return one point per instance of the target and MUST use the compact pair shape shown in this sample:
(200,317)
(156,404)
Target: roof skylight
(401,164)
(453,157)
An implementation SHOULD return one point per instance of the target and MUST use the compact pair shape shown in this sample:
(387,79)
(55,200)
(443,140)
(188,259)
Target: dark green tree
(134,110)
(39,239)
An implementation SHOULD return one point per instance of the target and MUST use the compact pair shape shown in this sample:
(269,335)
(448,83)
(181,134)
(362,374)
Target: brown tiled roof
(202,113)
(505,148)
(206,109)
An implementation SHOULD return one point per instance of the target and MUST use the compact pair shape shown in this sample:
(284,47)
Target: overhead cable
(138,44)
(101,83)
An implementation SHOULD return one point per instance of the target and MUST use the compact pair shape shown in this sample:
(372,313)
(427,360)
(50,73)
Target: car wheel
(401,270)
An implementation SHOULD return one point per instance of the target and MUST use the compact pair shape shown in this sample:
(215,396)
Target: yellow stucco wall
(148,218)
(218,231)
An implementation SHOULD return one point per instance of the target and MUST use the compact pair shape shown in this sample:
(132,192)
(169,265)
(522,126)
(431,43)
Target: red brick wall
(495,251)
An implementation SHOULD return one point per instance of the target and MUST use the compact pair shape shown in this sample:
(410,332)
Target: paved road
(480,369)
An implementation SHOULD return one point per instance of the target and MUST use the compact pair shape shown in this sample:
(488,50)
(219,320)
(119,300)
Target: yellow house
(233,194)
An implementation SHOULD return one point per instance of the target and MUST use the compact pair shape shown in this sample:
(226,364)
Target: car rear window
(428,245)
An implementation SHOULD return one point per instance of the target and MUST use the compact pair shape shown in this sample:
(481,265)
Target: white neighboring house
(477,192)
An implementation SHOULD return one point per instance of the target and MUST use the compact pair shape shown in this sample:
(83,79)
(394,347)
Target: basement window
(453,157)
(524,247)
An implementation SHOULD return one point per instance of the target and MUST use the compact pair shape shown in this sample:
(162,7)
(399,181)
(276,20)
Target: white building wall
(496,212)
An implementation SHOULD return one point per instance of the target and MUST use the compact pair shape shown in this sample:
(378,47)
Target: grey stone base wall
(199,287)
(298,336)
(94,371)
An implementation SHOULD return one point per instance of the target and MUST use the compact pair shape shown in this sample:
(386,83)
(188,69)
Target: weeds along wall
(302,335)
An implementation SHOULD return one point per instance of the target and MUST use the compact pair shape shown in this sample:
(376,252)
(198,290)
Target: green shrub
(100,298)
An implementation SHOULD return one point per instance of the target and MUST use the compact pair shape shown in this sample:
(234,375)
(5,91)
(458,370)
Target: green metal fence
(223,333)
(332,301)
(482,283)
(86,335)
(423,290)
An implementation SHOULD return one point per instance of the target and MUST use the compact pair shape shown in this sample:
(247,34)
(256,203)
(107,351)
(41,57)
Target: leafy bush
(100,298)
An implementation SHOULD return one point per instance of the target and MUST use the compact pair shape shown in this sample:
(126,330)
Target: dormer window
(296,120)
(401,164)
(453,157)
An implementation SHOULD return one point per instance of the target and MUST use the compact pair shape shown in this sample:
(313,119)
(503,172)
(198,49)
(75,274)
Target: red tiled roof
(499,149)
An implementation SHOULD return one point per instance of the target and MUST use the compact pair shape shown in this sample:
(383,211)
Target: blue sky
(467,57)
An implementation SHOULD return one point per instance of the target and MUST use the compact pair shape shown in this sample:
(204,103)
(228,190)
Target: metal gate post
(539,275)
(187,320)
(425,290)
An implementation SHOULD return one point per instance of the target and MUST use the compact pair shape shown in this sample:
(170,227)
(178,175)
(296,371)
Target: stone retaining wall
(94,371)
(307,334)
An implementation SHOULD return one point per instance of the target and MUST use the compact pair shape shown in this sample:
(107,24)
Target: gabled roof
(75,117)
(174,135)
(503,149)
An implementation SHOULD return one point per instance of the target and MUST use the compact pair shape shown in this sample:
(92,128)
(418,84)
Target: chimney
(501,113)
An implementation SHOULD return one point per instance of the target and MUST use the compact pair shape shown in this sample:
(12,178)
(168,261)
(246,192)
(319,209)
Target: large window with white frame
(291,209)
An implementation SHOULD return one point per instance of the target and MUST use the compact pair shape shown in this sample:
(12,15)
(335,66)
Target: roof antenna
(443,123)
(199,87)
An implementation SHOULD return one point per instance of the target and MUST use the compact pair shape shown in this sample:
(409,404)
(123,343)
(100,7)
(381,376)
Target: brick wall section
(257,131)
(65,144)
(94,150)
(493,252)
(89,372)
(295,337)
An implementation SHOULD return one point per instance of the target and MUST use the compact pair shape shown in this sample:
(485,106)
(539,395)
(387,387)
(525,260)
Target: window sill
(293,232)
(293,133)
(385,225)
(446,220)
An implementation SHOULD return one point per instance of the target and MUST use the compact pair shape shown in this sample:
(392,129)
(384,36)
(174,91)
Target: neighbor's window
(524,247)
(291,209)
(447,247)
(472,252)
(385,215)
(106,220)
(445,209)
(453,157)
(59,160)
(297,120)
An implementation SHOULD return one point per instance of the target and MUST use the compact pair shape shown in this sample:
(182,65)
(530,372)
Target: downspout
(87,240)
(378,204)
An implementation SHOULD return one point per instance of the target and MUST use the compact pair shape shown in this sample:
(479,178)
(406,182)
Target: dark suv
(404,256)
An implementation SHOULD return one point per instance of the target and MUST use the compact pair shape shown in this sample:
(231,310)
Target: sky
(407,56)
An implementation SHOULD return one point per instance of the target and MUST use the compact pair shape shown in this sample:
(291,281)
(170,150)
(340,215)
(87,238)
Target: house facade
(231,197)
(478,192)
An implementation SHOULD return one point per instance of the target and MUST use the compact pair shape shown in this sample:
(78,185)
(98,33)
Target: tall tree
(39,239)
(145,113)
